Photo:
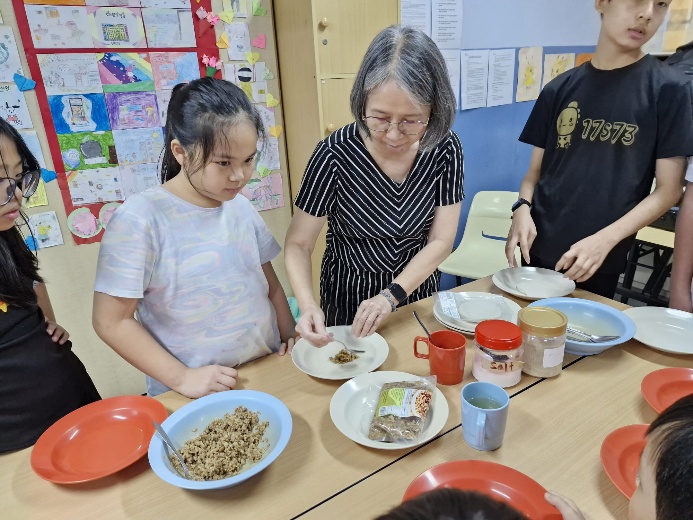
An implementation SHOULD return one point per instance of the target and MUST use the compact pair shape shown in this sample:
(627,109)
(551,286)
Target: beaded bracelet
(390,299)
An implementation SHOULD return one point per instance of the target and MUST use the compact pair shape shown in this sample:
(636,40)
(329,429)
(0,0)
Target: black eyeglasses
(27,183)
(379,124)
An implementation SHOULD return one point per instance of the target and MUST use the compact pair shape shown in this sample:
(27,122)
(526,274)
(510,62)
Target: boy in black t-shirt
(601,132)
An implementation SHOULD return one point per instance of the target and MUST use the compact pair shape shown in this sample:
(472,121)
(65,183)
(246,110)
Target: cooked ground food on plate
(225,446)
(344,356)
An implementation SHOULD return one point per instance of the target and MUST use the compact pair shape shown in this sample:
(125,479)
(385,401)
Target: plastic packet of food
(401,411)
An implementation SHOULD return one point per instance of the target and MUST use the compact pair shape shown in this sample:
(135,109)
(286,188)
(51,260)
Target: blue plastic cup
(484,415)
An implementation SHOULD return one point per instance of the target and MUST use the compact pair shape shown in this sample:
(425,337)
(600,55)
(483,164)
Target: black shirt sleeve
(450,188)
(675,118)
(317,191)
(536,129)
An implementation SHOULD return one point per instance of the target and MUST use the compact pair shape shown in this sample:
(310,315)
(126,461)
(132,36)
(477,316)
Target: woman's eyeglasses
(27,183)
(378,124)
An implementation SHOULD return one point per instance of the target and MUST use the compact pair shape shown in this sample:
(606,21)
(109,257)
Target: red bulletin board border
(205,37)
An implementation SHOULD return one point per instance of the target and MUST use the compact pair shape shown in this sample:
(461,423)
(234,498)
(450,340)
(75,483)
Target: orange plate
(97,440)
(620,455)
(495,480)
(664,387)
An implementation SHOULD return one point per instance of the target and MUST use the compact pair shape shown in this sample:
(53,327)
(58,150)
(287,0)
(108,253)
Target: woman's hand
(198,382)
(522,231)
(370,314)
(287,347)
(583,259)
(311,326)
(567,507)
(58,334)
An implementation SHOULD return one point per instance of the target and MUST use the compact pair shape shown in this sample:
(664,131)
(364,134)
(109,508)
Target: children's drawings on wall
(169,27)
(142,145)
(82,223)
(116,26)
(125,71)
(13,108)
(114,3)
(86,150)
(39,198)
(529,74)
(10,64)
(79,113)
(555,65)
(94,186)
(162,99)
(265,192)
(46,229)
(239,40)
(136,178)
(171,68)
(70,73)
(167,4)
(59,27)
(32,141)
(132,110)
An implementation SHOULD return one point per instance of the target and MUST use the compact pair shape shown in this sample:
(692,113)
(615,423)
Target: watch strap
(520,202)
(397,292)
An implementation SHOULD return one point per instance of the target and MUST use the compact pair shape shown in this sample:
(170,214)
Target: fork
(592,338)
(348,348)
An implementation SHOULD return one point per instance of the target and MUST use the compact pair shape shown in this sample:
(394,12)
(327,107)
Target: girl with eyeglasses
(41,379)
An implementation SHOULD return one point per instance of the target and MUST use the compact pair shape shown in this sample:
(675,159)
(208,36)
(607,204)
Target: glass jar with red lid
(497,353)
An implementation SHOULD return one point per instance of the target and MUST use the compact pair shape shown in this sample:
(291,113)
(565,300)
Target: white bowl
(198,414)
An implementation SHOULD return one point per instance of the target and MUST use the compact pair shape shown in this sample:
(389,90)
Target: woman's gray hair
(412,60)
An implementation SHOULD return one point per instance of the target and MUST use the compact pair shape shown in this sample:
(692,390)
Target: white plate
(353,405)
(533,283)
(475,307)
(663,329)
(316,361)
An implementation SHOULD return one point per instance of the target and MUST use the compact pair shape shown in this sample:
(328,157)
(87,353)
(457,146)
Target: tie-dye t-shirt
(197,273)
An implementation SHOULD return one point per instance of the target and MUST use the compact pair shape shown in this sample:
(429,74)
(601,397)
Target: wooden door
(336,111)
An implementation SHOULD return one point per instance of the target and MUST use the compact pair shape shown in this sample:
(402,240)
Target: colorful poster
(39,198)
(136,178)
(169,27)
(55,2)
(265,192)
(171,68)
(556,64)
(529,74)
(239,40)
(46,229)
(125,71)
(140,145)
(94,186)
(162,99)
(116,27)
(87,150)
(69,73)
(10,64)
(59,27)
(114,3)
(132,110)
(13,108)
(267,158)
(79,113)
(167,4)
(32,141)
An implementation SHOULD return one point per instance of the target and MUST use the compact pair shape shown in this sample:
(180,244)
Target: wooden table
(318,463)
(554,435)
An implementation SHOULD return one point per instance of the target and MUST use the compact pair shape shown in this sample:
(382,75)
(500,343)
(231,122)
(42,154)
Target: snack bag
(400,414)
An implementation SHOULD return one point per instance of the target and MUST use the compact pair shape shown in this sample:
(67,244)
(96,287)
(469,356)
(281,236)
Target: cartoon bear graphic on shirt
(567,121)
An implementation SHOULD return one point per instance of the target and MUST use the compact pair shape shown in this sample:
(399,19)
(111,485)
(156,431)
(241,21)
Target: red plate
(664,387)
(495,480)
(97,440)
(620,455)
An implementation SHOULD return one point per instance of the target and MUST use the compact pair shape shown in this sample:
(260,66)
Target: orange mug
(446,353)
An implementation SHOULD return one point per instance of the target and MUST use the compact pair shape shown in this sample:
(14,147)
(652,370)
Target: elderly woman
(389,187)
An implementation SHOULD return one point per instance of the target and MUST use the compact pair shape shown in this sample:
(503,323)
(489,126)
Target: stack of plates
(475,307)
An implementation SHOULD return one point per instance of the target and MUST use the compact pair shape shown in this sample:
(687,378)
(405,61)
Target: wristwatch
(396,290)
(520,202)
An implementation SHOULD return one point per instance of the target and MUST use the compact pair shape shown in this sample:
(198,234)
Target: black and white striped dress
(375,225)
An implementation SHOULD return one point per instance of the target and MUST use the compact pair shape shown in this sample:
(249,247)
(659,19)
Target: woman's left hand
(58,334)
(287,347)
(370,314)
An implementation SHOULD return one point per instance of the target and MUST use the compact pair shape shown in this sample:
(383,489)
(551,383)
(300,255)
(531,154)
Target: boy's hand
(583,259)
(567,507)
(287,347)
(198,382)
(58,334)
(311,325)
(522,231)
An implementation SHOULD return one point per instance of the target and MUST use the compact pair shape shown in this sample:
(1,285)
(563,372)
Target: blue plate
(198,414)
(593,318)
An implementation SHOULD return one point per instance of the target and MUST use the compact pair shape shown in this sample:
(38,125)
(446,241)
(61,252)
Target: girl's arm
(114,322)
(285,320)
(372,312)
(300,242)
(56,332)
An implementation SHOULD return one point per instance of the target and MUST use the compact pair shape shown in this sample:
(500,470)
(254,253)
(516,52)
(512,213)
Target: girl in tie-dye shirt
(185,290)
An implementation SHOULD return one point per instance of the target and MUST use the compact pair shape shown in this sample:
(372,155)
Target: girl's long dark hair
(198,114)
(18,265)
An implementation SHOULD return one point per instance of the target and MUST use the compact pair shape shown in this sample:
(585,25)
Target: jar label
(553,356)
(502,366)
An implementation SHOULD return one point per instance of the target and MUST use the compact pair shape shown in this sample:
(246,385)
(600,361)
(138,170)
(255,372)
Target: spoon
(591,338)
(423,326)
(346,347)
(168,442)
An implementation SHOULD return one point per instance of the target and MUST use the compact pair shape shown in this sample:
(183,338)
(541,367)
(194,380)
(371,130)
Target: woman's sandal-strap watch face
(397,291)
(520,202)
